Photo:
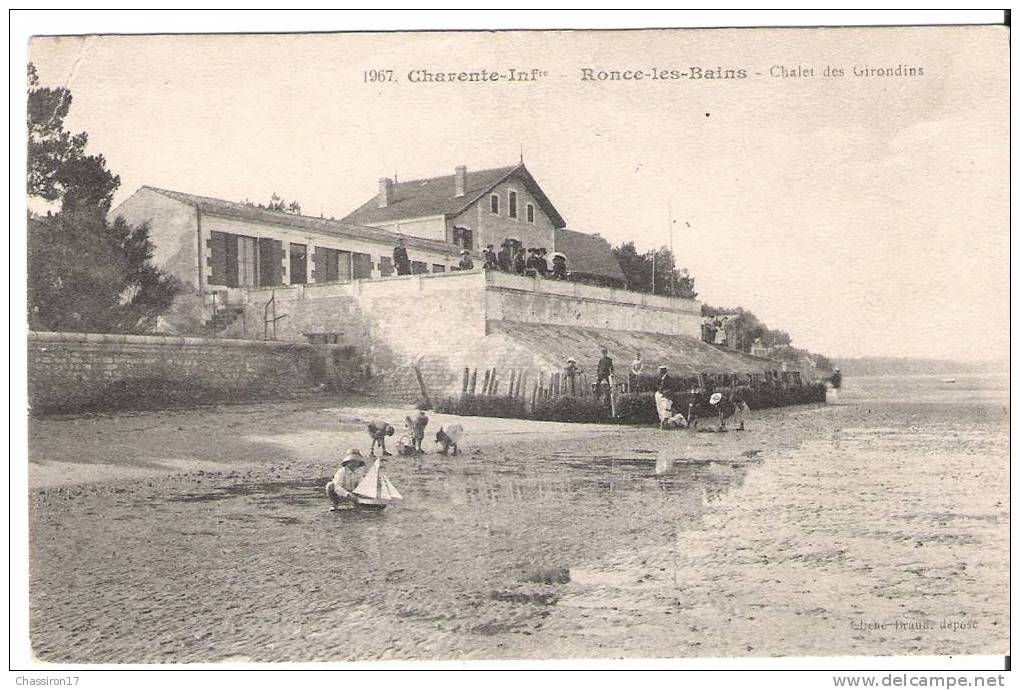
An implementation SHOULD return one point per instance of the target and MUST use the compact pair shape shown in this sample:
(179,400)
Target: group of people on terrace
(512,257)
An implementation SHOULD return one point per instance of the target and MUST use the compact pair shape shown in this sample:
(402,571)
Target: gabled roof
(335,228)
(434,196)
(588,254)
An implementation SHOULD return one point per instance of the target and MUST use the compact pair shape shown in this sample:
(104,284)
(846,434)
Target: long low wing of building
(212,244)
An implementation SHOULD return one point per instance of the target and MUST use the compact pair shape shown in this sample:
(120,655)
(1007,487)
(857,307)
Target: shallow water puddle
(292,491)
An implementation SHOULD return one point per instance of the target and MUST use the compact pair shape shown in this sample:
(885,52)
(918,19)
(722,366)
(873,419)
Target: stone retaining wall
(75,371)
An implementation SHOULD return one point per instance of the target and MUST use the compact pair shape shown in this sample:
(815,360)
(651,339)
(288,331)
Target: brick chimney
(385,192)
(460,180)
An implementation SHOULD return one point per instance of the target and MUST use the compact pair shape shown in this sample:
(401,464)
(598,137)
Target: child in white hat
(346,479)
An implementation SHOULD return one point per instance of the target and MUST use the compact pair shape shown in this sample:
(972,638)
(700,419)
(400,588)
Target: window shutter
(269,262)
(230,247)
(278,262)
(362,266)
(217,258)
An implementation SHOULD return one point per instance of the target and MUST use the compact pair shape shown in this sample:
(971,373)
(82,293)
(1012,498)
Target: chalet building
(473,209)
(218,247)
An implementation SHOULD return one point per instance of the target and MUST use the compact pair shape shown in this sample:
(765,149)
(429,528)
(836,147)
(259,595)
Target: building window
(419,267)
(325,265)
(247,262)
(512,204)
(331,265)
(531,213)
(298,264)
(386,266)
(241,261)
(438,268)
(463,239)
(494,204)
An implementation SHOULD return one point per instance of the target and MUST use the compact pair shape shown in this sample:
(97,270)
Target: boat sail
(375,489)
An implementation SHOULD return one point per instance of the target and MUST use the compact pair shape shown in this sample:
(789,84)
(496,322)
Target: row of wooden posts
(518,385)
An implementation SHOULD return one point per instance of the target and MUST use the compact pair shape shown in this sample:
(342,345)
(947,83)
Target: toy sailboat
(375,491)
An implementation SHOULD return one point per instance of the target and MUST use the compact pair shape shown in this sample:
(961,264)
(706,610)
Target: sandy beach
(876,526)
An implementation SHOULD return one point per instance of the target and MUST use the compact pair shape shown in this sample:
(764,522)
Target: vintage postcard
(518,345)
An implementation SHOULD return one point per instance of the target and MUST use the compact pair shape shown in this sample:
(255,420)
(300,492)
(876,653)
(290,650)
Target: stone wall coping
(494,279)
(501,280)
(349,287)
(166,340)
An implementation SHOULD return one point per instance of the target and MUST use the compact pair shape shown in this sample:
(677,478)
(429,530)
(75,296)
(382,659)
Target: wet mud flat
(852,529)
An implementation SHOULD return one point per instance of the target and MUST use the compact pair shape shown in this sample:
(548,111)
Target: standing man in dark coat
(531,265)
(519,262)
(400,260)
(665,380)
(541,263)
(604,373)
(504,258)
(489,257)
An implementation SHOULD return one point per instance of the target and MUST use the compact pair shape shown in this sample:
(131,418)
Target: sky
(863,215)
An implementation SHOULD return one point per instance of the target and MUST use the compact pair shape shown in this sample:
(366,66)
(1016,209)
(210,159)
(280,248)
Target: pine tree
(85,273)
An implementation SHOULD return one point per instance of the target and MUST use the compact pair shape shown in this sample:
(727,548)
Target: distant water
(967,388)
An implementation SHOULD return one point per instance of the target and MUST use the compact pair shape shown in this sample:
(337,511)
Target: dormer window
(512,204)
(530,211)
(494,204)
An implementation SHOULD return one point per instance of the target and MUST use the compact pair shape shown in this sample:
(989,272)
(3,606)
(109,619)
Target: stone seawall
(72,371)
(520,299)
(419,332)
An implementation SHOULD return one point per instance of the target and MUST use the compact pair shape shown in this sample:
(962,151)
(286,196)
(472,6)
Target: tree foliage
(85,273)
(89,275)
(639,269)
(745,327)
(58,167)
(278,204)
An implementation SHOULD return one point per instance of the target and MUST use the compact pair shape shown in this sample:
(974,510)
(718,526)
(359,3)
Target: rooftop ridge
(501,168)
(214,205)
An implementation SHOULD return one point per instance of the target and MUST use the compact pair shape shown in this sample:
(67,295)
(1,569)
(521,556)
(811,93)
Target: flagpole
(672,259)
(653,269)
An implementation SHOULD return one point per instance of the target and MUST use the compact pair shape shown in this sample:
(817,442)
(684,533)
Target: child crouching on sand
(448,437)
(378,431)
(346,479)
